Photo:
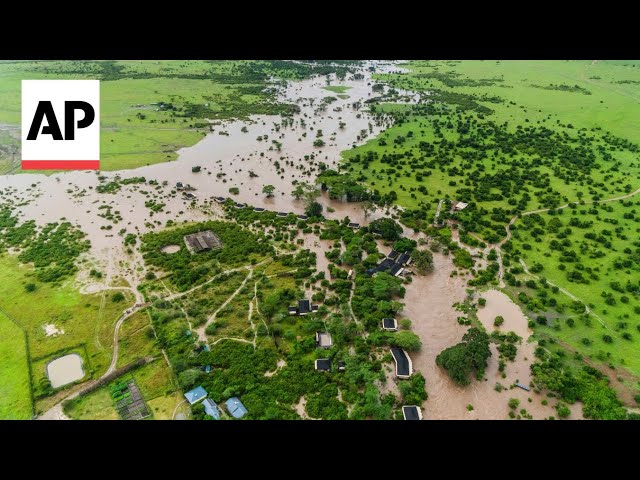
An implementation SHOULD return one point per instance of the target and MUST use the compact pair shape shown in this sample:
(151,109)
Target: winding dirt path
(201,330)
(498,247)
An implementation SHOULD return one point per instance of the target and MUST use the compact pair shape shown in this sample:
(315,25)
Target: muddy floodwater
(64,370)
(500,304)
(271,151)
(428,303)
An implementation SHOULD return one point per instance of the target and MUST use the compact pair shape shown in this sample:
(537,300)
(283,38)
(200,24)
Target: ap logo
(60,124)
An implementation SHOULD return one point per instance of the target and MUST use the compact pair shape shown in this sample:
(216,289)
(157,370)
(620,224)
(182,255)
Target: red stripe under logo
(61,164)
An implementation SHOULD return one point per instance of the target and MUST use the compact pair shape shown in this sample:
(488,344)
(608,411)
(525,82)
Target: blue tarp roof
(195,395)
(236,408)
(211,408)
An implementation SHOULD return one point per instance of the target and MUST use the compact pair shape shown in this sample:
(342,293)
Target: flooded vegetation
(302,212)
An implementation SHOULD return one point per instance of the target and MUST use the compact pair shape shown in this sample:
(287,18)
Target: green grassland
(155,380)
(87,321)
(15,394)
(480,140)
(591,251)
(510,137)
(337,88)
(150,109)
(614,89)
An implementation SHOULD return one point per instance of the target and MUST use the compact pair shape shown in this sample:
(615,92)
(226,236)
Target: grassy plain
(87,322)
(603,276)
(155,380)
(514,136)
(15,394)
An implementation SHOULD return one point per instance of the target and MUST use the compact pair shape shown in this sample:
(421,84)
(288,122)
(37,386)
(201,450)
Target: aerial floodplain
(337,240)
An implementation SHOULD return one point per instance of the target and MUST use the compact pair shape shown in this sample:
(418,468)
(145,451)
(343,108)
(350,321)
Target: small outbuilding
(211,409)
(304,307)
(458,206)
(404,259)
(236,408)
(411,412)
(323,365)
(354,225)
(341,366)
(324,340)
(195,395)
(404,367)
(219,199)
(390,324)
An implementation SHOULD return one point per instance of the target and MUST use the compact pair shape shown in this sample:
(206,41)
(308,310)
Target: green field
(15,395)
(591,252)
(87,322)
(155,380)
(493,138)
(337,88)
(511,137)
(612,105)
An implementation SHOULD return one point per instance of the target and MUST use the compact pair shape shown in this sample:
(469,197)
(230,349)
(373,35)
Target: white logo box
(46,153)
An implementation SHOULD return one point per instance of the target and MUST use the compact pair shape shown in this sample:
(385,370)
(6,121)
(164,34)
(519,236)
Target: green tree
(117,297)
(563,410)
(499,320)
(387,228)
(423,261)
(472,353)
(407,340)
(368,207)
(477,348)
(268,190)
(187,378)
(456,362)
(314,210)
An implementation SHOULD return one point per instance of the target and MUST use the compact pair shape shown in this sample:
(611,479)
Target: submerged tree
(423,261)
(306,192)
(368,207)
(470,354)
(268,190)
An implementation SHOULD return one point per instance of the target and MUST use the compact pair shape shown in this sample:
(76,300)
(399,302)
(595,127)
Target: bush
(117,297)
(406,340)
(563,410)
(499,320)
(30,287)
(513,403)
(405,324)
